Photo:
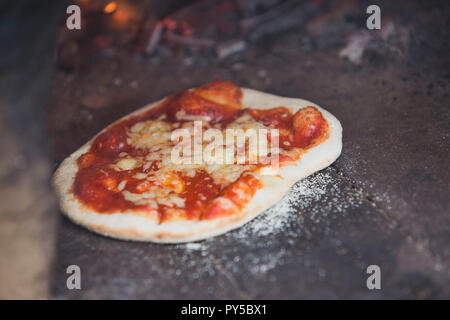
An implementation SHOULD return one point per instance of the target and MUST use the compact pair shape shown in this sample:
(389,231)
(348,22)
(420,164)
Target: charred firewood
(249,8)
(228,48)
(189,41)
(279,19)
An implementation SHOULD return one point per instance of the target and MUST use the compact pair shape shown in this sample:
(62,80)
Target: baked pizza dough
(142,220)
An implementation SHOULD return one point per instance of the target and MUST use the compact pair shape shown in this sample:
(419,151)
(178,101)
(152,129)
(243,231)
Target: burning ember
(110,7)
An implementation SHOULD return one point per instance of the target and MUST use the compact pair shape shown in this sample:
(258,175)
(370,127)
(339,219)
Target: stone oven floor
(385,201)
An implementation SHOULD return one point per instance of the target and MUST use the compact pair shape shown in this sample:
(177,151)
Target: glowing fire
(110,7)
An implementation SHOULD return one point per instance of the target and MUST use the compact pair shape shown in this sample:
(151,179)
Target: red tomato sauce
(97,184)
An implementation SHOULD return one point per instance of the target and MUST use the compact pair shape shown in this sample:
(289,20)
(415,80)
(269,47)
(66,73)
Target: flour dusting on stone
(313,201)
(292,206)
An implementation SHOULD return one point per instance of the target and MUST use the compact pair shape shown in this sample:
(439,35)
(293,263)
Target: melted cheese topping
(165,178)
(150,134)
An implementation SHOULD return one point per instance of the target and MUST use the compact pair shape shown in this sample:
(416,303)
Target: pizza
(195,164)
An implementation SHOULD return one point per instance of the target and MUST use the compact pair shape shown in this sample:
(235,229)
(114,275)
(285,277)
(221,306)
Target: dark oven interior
(385,201)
